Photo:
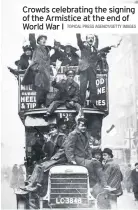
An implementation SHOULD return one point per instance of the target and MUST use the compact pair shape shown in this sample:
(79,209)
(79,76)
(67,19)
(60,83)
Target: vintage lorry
(68,185)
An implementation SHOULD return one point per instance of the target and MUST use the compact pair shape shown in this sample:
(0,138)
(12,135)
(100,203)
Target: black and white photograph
(69,117)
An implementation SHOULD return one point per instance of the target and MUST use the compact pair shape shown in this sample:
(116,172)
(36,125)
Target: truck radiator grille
(69,190)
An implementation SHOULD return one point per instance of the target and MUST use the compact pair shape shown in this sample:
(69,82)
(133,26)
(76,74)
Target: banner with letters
(102,101)
(27,96)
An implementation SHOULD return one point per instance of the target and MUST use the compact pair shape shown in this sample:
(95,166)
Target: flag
(111,128)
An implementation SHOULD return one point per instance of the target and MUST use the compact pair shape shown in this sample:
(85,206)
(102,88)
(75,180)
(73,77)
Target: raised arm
(58,85)
(32,40)
(79,41)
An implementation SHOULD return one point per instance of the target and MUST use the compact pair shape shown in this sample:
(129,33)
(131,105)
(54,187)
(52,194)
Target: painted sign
(27,96)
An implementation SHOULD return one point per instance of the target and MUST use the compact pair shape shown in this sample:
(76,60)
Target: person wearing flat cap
(78,151)
(41,68)
(63,126)
(68,93)
(54,147)
(54,140)
(113,176)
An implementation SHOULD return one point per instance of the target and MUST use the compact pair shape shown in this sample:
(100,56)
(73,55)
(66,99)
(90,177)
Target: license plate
(68,200)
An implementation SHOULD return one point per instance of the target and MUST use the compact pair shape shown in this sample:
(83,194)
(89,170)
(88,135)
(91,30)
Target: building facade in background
(123,77)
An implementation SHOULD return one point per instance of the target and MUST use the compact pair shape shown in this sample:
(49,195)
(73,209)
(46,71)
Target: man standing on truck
(87,67)
(54,144)
(78,151)
(38,73)
(41,61)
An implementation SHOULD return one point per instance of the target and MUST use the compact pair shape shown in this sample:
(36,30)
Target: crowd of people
(14,176)
(37,59)
(74,148)
(17,177)
(130,182)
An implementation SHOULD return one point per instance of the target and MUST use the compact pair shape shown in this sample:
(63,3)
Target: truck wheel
(21,204)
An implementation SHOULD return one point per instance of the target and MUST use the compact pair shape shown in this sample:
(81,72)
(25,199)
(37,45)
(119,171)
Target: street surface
(8,199)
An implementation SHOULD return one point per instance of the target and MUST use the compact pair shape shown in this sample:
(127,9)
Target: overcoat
(89,55)
(134,177)
(55,144)
(77,149)
(113,176)
(41,58)
(38,73)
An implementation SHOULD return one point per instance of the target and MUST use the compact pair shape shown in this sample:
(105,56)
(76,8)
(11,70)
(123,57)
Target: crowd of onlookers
(15,175)
(130,181)
(74,147)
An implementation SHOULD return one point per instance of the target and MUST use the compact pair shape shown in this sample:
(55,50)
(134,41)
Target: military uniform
(66,93)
